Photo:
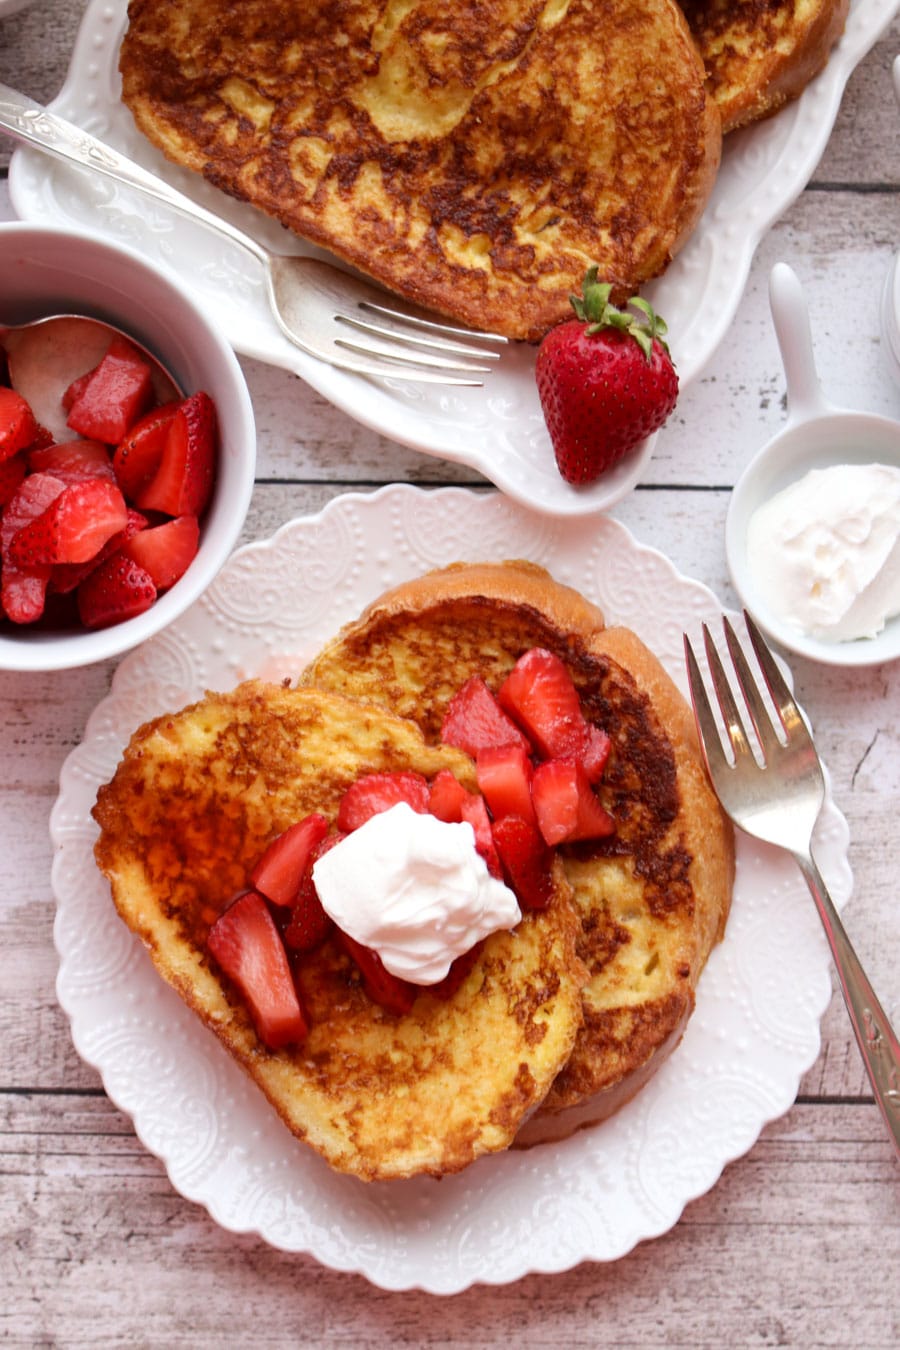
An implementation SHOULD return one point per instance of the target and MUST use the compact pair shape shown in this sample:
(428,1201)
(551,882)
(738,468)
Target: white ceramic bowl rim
(835,437)
(48,270)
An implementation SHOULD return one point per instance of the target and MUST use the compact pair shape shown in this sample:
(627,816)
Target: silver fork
(325,311)
(778,801)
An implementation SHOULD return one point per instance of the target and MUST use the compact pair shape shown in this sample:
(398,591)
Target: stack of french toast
(473,157)
(538,1030)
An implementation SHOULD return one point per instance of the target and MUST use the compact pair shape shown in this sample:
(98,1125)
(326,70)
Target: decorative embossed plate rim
(498,430)
(592,1197)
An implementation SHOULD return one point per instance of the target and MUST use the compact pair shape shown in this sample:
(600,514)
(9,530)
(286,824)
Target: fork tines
(435,345)
(769,732)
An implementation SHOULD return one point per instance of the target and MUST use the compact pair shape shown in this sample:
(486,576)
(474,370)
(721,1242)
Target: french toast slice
(653,898)
(761,54)
(195,800)
(474,158)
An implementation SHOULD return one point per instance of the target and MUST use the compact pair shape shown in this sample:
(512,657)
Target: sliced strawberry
(248,947)
(504,776)
(566,805)
(182,484)
(65,577)
(475,812)
(118,392)
(596,752)
(115,590)
(383,988)
(526,861)
(137,457)
(166,551)
(475,720)
(23,589)
(73,392)
(72,461)
(18,427)
(376,792)
(280,870)
(539,694)
(74,527)
(23,594)
(309,924)
(446,797)
(12,471)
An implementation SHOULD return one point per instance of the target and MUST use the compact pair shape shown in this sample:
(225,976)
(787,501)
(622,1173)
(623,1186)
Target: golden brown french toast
(654,896)
(761,54)
(196,798)
(475,157)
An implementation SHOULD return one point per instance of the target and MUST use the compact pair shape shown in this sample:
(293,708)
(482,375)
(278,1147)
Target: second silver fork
(778,799)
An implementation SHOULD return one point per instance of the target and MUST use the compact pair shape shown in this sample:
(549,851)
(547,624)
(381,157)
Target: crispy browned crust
(474,158)
(654,898)
(196,798)
(761,54)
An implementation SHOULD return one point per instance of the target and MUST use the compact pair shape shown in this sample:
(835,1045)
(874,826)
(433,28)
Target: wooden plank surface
(799,1242)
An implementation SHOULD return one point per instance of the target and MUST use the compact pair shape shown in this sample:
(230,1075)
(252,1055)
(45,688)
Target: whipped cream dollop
(415,889)
(825,552)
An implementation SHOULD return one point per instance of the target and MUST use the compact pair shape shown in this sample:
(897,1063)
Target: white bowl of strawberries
(122,492)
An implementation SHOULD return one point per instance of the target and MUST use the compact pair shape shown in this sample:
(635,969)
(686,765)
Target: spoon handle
(29,122)
(790,316)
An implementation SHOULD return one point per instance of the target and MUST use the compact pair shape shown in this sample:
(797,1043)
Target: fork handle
(28,121)
(877,1042)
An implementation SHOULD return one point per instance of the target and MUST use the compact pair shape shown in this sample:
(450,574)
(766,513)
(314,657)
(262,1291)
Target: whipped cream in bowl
(812,534)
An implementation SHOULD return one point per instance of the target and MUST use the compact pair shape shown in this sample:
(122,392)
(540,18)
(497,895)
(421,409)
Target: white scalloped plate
(755,1029)
(498,430)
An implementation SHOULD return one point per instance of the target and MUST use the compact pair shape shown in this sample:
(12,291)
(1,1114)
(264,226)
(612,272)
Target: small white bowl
(815,436)
(54,271)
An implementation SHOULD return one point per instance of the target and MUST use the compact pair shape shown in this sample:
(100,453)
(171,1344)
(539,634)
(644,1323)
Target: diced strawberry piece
(596,752)
(248,947)
(166,551)
(475,812)
(183,482)
(73,393)
(280,870)
(23,590)
(137,457)
(540,695)
(74,527)
(23,594)
(115,590)
(72,461)
(566,805)
(475,720)
(376,792)
(35,494)
(504,776)
(12,471)
(526,861)
(66,576)
(118,392)
(383,988)
(18,427)
(446,797)
(309,924)
(457,974)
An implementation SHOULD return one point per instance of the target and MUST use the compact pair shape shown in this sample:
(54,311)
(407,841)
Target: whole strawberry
(605,380)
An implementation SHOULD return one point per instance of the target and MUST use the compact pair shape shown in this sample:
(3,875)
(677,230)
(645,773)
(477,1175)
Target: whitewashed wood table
(799,1242)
